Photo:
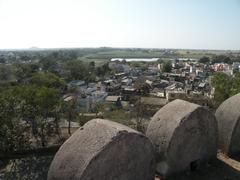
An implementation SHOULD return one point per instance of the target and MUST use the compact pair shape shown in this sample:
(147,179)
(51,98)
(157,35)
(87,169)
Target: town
(49,94)
(119,90)
(119,86)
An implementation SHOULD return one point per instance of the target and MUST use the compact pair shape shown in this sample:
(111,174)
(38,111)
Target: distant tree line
(219,59)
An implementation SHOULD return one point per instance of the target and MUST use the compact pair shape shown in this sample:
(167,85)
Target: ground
(223,168)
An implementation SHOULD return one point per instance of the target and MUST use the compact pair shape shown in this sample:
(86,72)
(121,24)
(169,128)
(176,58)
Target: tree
(36,104)
(222,59)
(141,65)
(24,71)
(225,86)
(92,65)
(222,84)
(141,86)
(139,108)
(5,72)
(204,60)
(47,100)
(235,84)
(70,108)
(167,66)
(13,133)
(47,79)
(48,64)
(78,70)
(103,70)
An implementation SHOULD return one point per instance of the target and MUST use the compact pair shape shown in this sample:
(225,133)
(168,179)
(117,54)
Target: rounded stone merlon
(104,150)
(228,116)
(183,134)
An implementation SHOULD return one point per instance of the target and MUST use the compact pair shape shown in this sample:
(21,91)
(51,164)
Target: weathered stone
(104,150)
(184,134)
(228,117)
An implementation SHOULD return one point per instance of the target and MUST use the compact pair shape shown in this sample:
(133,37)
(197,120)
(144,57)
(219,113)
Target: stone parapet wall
(181,136)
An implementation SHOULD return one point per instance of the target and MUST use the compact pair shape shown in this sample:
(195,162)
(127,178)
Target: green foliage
(222,59)
(47,79)
(235,84)
(103,70)
(80,70)
(13,133)
(141,86)
(24,71)
(92,65)
(25,108)
(167,66)
(204,60)
(222,84)
(5,72)
(48,64)
(225,86)
(77,69)
(141,65)
(28,168)
(70,110)
(38,103)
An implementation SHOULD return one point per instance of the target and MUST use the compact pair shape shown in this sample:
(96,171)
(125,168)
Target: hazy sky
(207,24)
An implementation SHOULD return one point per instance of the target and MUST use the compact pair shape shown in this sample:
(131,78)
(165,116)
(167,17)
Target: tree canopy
(23,111)
(47,79)
(204,60)
(225,86)
(221,59)
(81,70)
(167,66)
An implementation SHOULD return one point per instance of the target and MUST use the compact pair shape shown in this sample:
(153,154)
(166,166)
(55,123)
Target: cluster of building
(188,80)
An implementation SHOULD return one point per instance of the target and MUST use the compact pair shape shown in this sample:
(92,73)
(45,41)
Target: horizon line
(93,47)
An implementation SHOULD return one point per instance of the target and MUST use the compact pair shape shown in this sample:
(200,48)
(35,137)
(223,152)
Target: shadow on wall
(33,167)
(214,170)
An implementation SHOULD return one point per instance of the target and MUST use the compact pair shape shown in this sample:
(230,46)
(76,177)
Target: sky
(185,24)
